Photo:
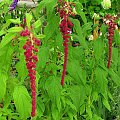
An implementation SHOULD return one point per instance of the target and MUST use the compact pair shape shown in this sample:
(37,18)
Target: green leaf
(78,95)
(87,26)
(89,111)
(75,70)
(80,36)
(114,77)
(82,109)
(6,24)
(22,101)
(98,48)
(21,68)
(2,32)
(43,57)
(117,37)
(8,37)
(71,105)
(3,79)
(50,8)
(80,12)
(52,26)
(53,87)
(37,24)
(95,96)
(40,36)
(55,112)
(40,107)
(107,105)
(15,21)
(15,29)
(101,81)
(28,19)
(6,57)
(37,79)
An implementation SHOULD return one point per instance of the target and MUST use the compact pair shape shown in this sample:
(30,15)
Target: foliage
(89,84)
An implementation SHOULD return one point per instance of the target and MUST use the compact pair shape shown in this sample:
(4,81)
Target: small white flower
(116,27)
(104,19)
(100,33)
(74,11)
(115,15)
(90,37)
(106,4)
(107,21)
(95,16)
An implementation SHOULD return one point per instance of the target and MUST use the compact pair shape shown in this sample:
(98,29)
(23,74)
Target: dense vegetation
(60,60)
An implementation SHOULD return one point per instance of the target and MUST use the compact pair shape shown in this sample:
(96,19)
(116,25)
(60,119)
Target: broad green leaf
(80,12)
(43,56)
(98,48)
(52,26)
(22,101)
(2,117)
(77,94)
(89,111)
(8,37)
(71,105)
(117,37)
(82,109)
(9,21)
(41,5)
(40,36)
(101,81)
(95,96)
(53,87)
(70,114)
(28,19)
(21,68)
(80,36)
(76,71)
(107,105)
(40,107)
(55,112)
(6,24)
(3,79)
(50,8)
(6,57)
(15,21)
(87,27)
(2,32)
(37,79)
(114,77)
(115,57)
(37,24)
(96,117)
(15,29)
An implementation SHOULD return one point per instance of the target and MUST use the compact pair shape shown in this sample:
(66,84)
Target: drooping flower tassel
(31,60)
(66,29)
(110,21)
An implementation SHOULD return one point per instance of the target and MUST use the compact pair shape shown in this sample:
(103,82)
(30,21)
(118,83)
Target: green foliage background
(91,91)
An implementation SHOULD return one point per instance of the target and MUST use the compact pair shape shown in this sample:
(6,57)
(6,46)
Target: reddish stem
(110,54)
(65,62)
(33,88)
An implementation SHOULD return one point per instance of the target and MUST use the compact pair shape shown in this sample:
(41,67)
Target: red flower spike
(66,29)
(31,60)
(110,21)
(25,33)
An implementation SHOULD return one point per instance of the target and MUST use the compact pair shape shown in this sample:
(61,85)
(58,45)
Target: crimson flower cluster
(66,25)
(30,53)
(110,22)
